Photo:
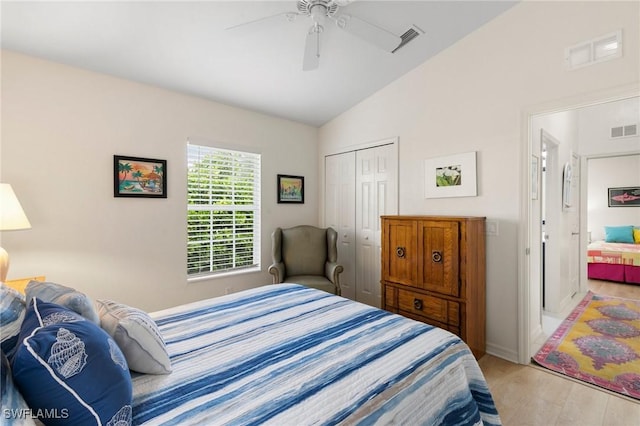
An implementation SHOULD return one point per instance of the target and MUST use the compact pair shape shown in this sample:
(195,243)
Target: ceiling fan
(322,12)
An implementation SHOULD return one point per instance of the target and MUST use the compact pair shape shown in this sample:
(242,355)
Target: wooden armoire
(433,270)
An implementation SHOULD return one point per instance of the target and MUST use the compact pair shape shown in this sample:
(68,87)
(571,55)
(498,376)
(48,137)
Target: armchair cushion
(314,281)
(307,261)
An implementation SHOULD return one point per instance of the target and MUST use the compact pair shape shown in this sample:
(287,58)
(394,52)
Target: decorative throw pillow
(12,308)
(15,410)
(64,296)
(636,235)
(137,335)
(69,370)
(618,234)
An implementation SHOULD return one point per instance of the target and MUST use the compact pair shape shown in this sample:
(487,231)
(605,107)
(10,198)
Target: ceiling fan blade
(311,59)
(368,32)
(288,16)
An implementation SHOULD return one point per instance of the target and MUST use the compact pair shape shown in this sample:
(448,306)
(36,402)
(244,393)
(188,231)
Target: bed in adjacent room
(619,262)
(280,354)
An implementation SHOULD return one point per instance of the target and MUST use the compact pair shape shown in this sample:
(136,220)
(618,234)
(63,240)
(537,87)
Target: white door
(551,215)
(574,218)
(376,195)
(340,214)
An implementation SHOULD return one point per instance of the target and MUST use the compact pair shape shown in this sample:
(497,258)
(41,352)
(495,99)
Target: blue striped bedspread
(289,355)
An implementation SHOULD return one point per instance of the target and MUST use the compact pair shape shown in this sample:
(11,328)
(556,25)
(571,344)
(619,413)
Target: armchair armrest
(333,270)
(277,270)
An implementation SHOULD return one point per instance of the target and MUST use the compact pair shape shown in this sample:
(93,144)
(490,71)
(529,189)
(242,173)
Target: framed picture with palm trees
(139,177)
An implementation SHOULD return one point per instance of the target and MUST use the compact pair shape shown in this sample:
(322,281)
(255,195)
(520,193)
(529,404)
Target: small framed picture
(628,196)
(450,176)
(139,177)
(290,189)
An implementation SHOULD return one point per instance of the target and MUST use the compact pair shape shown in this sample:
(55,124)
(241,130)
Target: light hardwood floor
(529,395)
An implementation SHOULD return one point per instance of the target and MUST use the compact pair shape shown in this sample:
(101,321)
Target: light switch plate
(491,228)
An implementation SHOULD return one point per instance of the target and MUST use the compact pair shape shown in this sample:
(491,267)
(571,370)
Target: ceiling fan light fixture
(318,13)
(305,6)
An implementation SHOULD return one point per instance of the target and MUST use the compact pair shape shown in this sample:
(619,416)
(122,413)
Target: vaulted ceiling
(187,47)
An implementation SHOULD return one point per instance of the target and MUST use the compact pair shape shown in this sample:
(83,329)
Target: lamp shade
(12,216)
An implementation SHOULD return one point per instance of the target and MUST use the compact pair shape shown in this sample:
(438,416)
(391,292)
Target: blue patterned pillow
(64,296)
(70,370)
(618,234)
(12,308)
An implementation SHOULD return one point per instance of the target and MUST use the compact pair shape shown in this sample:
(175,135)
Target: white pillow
(137,335)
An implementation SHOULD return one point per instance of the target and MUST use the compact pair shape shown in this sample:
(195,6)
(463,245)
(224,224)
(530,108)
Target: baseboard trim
(502,352)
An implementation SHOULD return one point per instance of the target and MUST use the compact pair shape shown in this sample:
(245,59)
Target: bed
(286,354)
(619,262)
(280,354)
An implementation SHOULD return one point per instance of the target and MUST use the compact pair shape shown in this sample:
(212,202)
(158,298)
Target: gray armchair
(306,255)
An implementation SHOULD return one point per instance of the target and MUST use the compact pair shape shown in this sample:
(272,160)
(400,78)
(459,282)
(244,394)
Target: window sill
(219,275)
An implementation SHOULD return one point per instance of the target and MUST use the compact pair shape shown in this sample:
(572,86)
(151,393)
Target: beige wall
(61,127)
(476,96)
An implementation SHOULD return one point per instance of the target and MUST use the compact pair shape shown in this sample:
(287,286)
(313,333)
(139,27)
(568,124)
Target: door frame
(524,234)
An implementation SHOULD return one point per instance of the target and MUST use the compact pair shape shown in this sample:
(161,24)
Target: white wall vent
(593,51)
(624,131)
(408,36)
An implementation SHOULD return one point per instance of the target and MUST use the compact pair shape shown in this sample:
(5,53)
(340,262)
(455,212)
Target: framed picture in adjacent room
(628,196)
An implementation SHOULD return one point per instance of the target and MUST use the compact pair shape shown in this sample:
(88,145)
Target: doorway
(583,132)
(360,186)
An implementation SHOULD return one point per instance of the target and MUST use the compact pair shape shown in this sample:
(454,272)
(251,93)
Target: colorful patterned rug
(598,343)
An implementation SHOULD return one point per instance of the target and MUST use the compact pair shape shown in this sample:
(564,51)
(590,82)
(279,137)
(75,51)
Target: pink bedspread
(614,262)
(614,253)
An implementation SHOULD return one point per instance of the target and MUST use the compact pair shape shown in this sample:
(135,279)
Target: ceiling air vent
(624,131)
(408,35)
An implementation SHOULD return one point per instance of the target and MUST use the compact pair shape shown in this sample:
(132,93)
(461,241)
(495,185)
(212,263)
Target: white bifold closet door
(360,187)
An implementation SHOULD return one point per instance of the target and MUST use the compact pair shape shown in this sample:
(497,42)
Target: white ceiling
(185,46)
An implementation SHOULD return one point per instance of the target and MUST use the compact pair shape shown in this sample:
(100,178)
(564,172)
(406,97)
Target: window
(223,218)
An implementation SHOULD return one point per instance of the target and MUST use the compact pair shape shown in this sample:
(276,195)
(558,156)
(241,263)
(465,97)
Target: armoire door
(400,263)
(439,256)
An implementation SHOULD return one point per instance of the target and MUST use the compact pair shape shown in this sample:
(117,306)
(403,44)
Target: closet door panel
(376,195)
(340,214)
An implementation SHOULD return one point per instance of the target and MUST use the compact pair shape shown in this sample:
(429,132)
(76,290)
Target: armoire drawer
(441,310)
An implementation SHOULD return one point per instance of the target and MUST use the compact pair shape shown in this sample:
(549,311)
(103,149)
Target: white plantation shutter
(223,199)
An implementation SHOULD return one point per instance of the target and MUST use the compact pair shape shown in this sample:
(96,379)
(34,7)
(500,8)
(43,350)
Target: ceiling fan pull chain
(318,29)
